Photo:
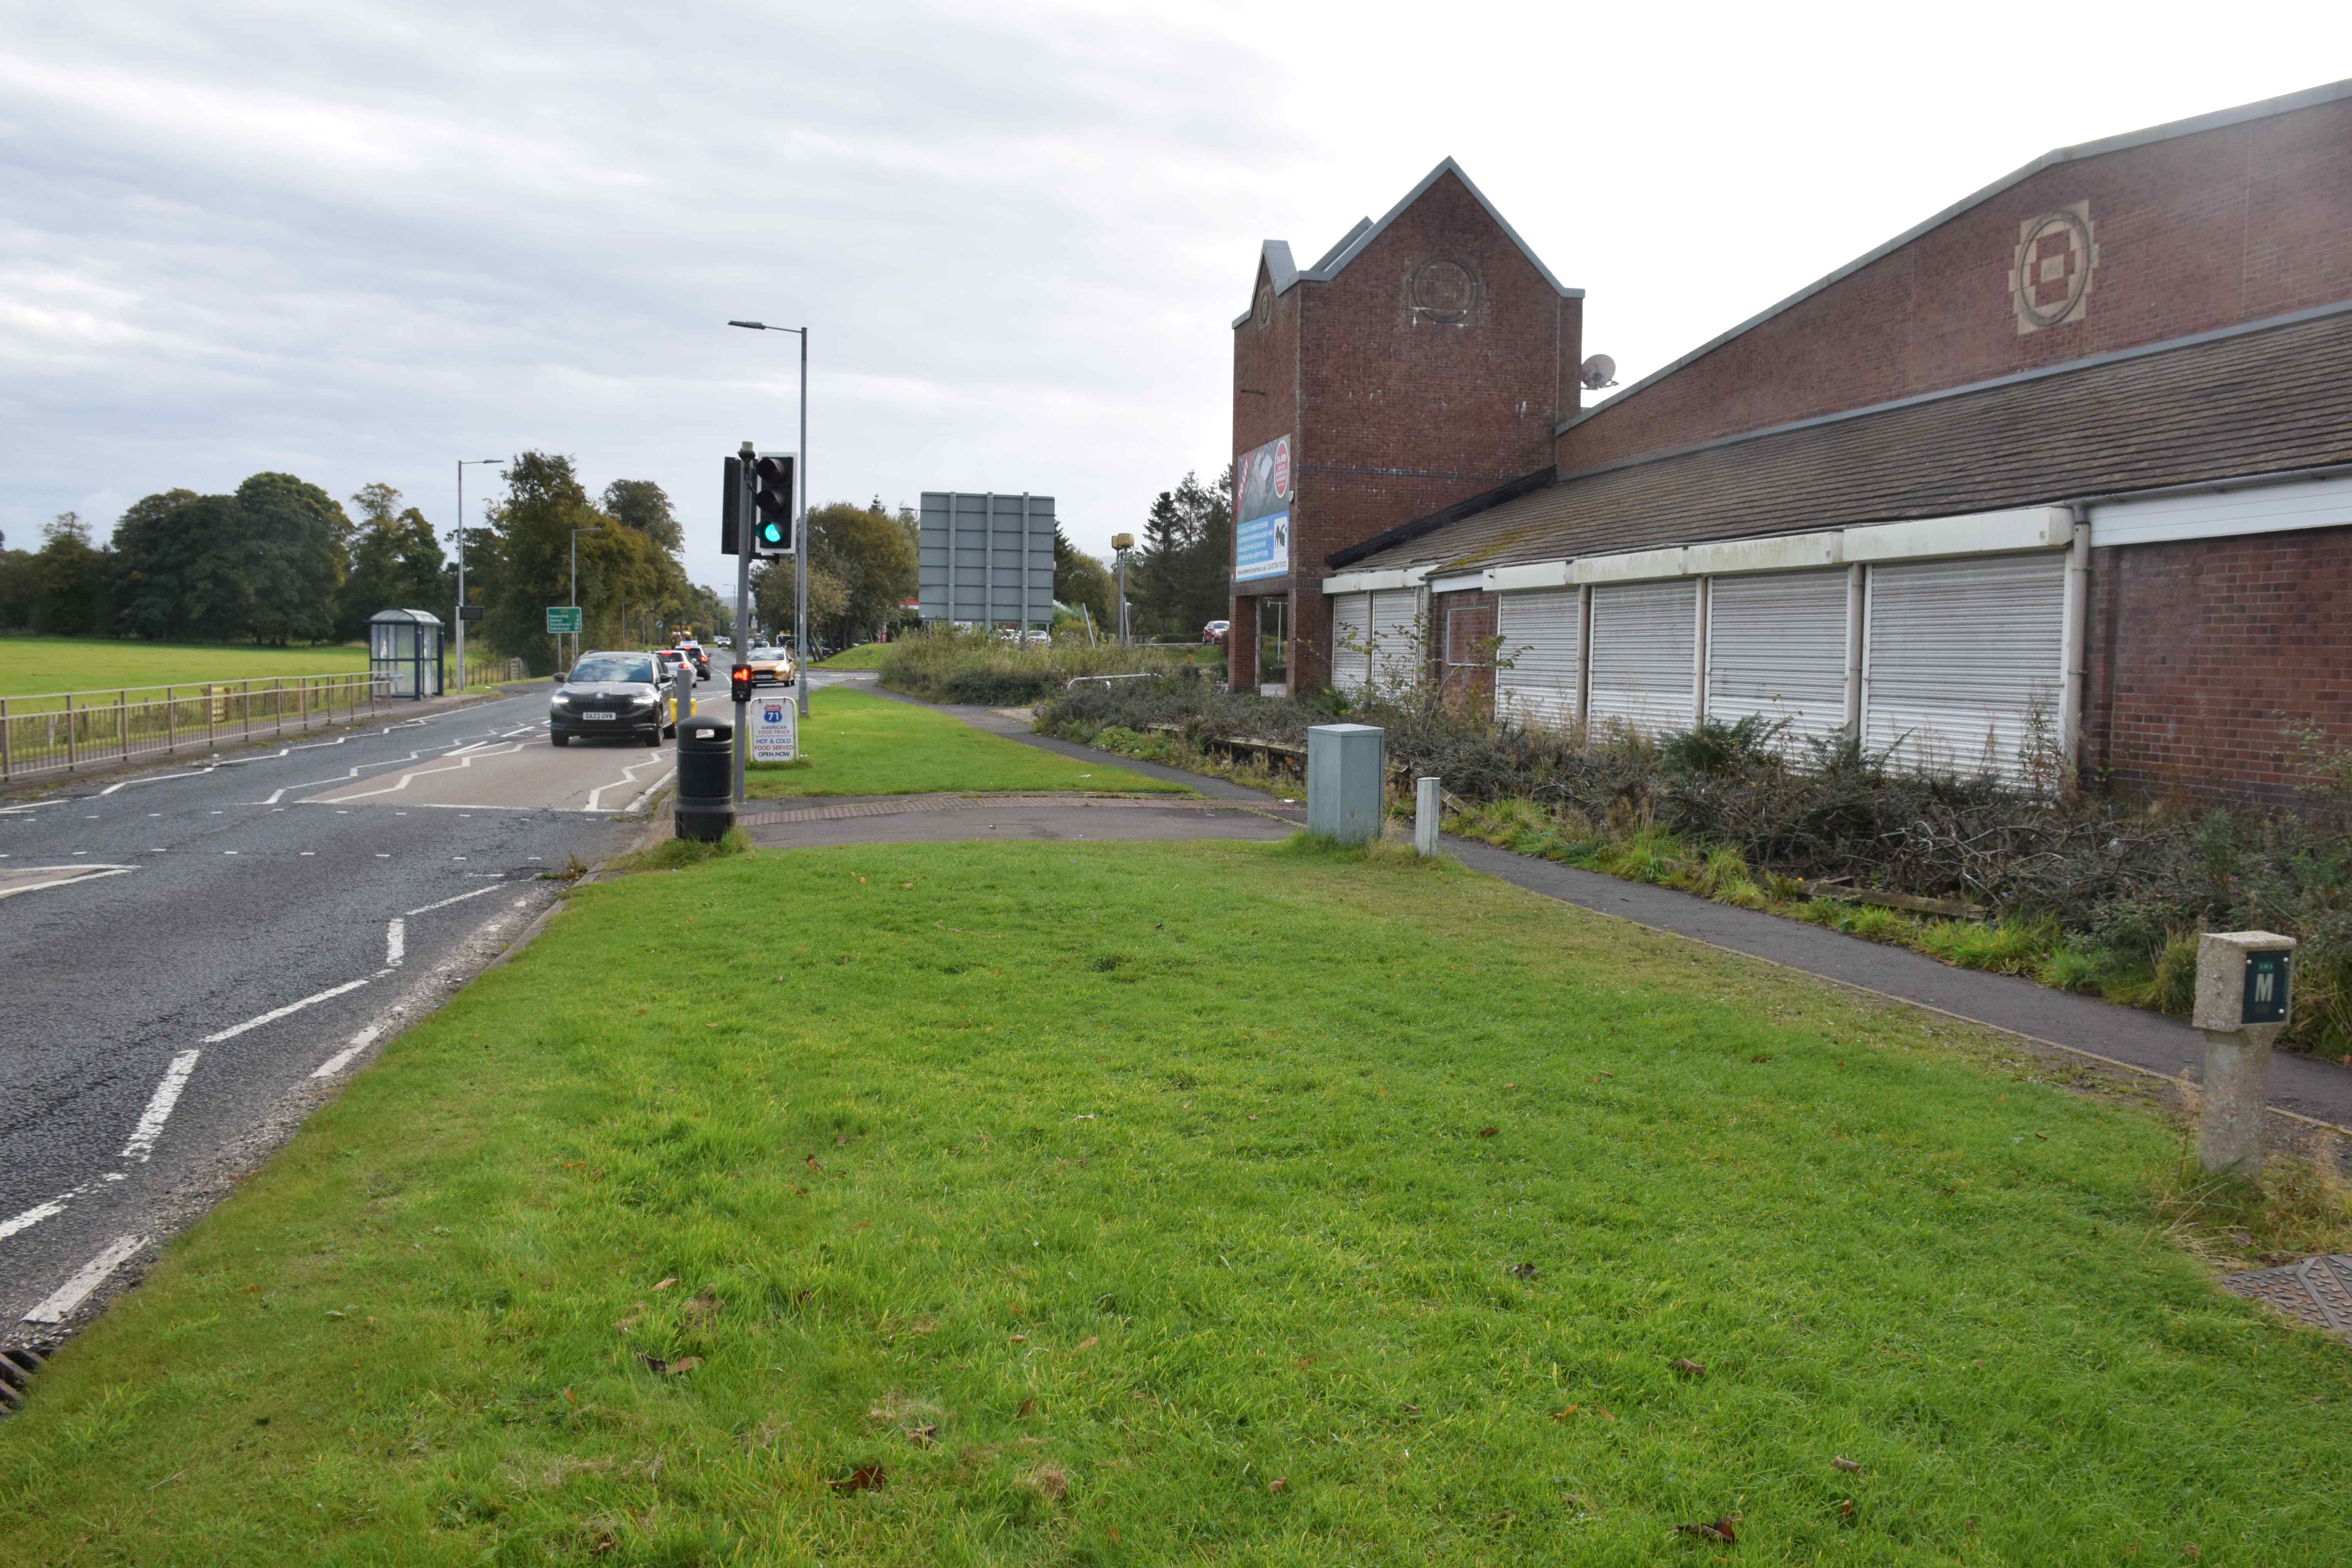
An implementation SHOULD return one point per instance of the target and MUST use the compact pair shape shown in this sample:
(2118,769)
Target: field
(1030,1203)
(855,743)
(30,666)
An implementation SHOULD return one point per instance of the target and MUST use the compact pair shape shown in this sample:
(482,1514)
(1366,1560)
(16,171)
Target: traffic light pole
(744,553)
(800,547)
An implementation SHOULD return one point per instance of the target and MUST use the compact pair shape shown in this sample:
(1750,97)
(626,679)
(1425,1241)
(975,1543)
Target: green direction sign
(563,618)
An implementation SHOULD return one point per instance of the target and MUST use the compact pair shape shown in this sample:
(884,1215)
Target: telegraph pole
(462,463)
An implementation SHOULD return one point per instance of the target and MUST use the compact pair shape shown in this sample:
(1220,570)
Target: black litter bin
(706,777)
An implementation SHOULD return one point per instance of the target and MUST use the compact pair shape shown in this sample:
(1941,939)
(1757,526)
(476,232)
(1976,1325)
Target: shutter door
(1396,639)
(1959,657)
(1775,647)
(1542,637)
(1646,654)
(1351,631)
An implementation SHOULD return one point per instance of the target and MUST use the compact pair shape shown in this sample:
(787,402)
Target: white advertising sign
(775,729)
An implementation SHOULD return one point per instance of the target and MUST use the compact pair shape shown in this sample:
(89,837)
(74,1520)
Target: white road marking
(159,1105)
(628,776)
(395,943)
(60,1306)
(274,796)
(277,1013)
(342,1058)
(460,898)
(85,873)
(33,1216)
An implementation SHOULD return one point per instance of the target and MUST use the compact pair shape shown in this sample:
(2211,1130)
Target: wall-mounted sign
(2267,975)
(1262,512)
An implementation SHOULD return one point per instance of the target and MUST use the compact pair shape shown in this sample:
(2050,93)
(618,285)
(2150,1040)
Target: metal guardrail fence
(59,731)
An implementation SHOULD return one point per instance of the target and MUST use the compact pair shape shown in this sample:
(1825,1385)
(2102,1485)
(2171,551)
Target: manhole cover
(2317,1291)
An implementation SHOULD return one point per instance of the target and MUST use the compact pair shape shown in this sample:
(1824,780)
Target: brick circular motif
(2062,238)
(1442,290)
(1264,307)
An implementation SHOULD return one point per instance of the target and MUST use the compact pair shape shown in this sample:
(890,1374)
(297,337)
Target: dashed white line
(33,1216)
(287,1011)
(159,1105)
(460,898)
(342,1058)
(60,1306)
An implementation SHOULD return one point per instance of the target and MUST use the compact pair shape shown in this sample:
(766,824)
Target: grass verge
(865,655)
(857,744)
(1009,1203)
(34,665)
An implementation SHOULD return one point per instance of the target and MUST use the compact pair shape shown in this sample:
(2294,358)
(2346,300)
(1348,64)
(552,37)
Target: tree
(151,555)
(644,506)
(295,539)
(630,586)
(1081,579)
(1184,577)
(772,597)
(71,581)
(396,563)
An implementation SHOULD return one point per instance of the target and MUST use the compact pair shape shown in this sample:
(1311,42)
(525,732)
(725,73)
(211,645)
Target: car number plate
(595,715)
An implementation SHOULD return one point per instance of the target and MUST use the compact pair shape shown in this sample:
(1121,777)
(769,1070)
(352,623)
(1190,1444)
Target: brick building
(2062,476)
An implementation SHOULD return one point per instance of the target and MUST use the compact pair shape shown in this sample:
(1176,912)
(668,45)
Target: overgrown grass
(1016,1204)
(854,743)
(33,664)
(946,666)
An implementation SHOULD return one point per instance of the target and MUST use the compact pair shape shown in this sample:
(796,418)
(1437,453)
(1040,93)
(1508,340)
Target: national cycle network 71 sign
(1262,512)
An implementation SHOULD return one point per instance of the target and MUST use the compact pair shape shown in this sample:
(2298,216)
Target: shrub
(942,665)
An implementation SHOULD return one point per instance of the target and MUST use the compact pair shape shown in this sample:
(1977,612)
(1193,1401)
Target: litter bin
(706,776)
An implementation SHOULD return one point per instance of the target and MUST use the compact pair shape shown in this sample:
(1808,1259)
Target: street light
(799,537)
(463,464)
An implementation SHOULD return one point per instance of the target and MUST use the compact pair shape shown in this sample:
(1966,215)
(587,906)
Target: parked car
(630,695)
(1214,632)
(770,666)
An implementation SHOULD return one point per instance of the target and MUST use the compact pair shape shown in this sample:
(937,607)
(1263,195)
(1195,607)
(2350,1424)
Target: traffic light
(772,501)
(738,683)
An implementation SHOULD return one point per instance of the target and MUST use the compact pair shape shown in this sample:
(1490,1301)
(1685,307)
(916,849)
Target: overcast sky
(357,241)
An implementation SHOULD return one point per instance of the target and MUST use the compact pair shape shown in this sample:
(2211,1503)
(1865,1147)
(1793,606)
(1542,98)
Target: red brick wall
(2194,233)
(2208,655)
(1266,406)
(1393,415)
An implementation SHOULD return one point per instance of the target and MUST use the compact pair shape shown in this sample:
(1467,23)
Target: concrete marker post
(1424,817)
(2243,997)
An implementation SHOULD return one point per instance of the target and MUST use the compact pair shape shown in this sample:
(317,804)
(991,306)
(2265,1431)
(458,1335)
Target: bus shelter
(405,653)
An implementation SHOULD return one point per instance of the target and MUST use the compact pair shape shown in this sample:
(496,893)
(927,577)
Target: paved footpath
(2306,1086)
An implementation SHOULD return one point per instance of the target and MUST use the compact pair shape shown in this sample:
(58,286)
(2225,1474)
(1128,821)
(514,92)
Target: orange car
(769,666)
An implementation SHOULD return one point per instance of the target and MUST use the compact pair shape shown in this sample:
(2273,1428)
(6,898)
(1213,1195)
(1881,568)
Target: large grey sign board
(987,559)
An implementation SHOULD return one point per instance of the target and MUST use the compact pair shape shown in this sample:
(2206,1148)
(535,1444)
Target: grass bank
(865,655)
(31,665)
(1012,1203)
(854,743)
(941,665)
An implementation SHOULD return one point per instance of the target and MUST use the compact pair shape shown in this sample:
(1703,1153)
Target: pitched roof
(2220,119)
(1276,253)
(2262,398)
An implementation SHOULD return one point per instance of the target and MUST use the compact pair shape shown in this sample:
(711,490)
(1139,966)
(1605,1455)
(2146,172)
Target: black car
(626,694)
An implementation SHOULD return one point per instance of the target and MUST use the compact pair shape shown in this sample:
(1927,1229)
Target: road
(192,954)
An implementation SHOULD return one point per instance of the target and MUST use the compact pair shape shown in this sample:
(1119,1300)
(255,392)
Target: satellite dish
(1597,372)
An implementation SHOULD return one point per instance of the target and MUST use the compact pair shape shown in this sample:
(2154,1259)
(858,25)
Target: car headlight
(562,700)
(645,699)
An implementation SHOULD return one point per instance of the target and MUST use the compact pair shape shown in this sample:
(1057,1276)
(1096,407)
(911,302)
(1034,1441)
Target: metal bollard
(1424,817)
(706,758)
(2244,992)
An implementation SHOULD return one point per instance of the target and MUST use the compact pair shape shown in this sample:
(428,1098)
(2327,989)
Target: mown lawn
(865,655)
(857,744)
(1030,1203)
(40,664)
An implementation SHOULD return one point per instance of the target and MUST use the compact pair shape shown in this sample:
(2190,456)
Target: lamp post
(1122,545)
(463,464)
(575,589)
(800,532)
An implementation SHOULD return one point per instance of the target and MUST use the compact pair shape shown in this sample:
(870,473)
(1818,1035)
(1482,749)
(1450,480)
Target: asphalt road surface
(189,955)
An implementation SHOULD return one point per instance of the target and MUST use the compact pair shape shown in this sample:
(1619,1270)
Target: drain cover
(2317,1291)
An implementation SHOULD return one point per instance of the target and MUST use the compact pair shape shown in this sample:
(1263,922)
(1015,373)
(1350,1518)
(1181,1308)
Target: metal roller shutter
(1542,635)
(1775,647)
(1646,654)
(1959,656)
(1396,637)
(1351,631)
